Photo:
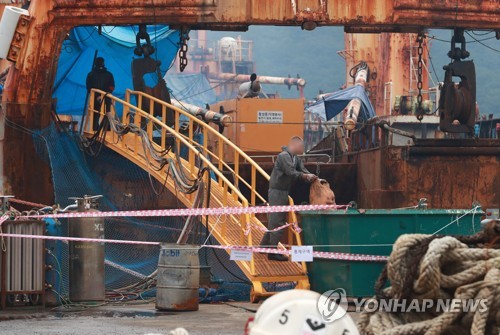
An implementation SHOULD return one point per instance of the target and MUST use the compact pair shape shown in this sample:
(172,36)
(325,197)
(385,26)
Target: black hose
(243,280)
(360,66)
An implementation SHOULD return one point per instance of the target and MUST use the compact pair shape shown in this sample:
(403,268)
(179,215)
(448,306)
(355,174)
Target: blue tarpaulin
(192,88)
(116,45)
(333,104)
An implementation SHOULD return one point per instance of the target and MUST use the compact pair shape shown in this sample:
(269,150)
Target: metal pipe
(352,112)
(354,105)
(67,208)
(208,115)
(398,131)
(241,78)
(250,89)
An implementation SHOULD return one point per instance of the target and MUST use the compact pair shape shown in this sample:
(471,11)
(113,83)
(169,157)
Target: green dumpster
(371,232)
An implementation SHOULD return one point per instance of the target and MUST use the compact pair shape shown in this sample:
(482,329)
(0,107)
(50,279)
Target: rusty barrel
(178,278)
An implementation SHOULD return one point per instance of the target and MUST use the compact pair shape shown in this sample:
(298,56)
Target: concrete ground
(211,319)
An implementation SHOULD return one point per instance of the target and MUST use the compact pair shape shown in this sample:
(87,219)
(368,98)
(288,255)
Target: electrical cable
(243,280)
(438,39)
(209,89)
(180,102)
(360,66)
(210,242)
(483,44)
(482,34)
(93,29)
(475,40)
(108,32)
(432,64)
(241,307)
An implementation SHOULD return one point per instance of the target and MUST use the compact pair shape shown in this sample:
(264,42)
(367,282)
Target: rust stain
(188,305)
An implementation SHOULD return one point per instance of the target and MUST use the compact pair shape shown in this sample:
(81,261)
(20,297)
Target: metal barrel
(86,259)
(178,278)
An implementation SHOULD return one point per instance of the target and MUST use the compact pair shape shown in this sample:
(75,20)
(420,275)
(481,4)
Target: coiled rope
(440,267)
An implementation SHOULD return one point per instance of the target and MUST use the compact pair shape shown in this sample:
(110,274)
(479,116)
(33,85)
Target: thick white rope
(448,270)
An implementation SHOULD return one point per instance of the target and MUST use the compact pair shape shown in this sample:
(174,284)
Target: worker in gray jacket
(287,169)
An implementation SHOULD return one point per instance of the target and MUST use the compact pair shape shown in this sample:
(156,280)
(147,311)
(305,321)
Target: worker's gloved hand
(309,177)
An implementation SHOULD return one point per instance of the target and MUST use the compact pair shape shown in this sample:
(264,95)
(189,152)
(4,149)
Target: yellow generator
(262,126)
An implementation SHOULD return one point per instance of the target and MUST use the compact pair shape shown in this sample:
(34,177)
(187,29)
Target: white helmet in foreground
(295,312)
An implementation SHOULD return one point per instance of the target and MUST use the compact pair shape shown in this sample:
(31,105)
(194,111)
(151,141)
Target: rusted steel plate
(377,15)
(397,177)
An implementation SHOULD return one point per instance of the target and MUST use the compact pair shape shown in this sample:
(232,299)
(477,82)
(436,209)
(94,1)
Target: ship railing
(186,126)
(153,126)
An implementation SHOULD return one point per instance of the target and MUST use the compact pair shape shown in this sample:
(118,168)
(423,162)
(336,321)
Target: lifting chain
(183,48)
(420,66)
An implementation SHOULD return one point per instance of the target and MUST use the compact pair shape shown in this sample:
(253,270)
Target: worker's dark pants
(275,198)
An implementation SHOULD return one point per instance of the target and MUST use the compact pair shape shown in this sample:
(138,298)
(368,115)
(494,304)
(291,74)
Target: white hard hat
(179,331)
(295,312)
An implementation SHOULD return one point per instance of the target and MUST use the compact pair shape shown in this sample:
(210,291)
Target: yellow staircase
(227,230)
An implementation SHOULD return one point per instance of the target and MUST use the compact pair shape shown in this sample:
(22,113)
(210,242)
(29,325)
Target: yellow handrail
(179,138)
(193,146)
(230,169)
(200,123)
(222,140)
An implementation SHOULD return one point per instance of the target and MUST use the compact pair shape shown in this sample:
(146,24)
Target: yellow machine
(261,126)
